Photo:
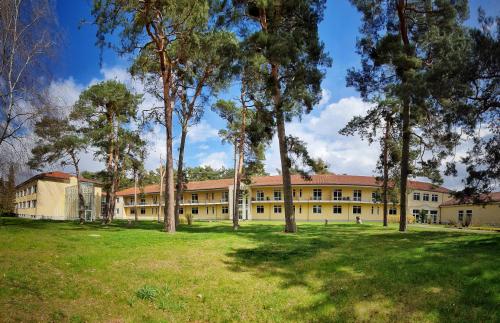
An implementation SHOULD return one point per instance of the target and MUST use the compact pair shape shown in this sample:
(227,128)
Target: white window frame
(277,209)
(416,196)
(337,195)
(260,209)
(277,195)
(317,194)
(356,195)
(435,198)
(356,207)
(337,209)
(317,209)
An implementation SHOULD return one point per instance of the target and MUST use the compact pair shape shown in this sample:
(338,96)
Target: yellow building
(325,197)
(53,195)
(465,213)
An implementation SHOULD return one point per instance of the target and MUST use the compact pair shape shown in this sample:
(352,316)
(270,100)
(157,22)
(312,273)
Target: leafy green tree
(203,173)
(59,141)
(407,47)
(106,111)
(163,28)
(283,48)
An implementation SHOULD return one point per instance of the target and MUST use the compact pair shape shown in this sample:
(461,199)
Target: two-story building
(53,195)
(324,197)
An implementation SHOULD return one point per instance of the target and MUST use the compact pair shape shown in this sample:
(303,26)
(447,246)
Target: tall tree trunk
(386,168)
(239,167)
(180,178)
(405,153)
(162,181)
(136,217)
(235,180)
(109,167)
(290,225)
(80,201)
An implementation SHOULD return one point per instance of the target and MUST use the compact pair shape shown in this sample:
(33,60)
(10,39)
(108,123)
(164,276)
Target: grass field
(61,271)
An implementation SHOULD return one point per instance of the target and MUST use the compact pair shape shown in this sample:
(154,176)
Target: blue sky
(78,66)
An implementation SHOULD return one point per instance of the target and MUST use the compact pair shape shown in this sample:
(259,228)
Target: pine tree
(283,47)
(406,49)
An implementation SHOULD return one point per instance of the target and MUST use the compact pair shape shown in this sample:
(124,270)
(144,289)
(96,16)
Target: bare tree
(27,42)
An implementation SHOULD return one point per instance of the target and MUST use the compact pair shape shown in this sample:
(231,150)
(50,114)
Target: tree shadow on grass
(367,273)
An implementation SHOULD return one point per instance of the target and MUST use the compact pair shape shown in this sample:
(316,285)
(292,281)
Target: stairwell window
(357,195)
(337,209)
(277,209)
(317,194)
(317,209)
(260,209)
(416,196)
(356,209)
(337,195)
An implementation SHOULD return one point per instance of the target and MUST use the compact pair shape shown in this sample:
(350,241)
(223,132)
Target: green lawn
(53,271)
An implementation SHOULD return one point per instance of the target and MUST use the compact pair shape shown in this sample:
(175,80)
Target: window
(132,211)
(372,209)
(143,210)
(194,198)
(425,197)
(29,204)
(375,197)
(34,189)
(194,210)
(33,203)
(207,209)
(143,201)
(434,197)
(277,209)
(356,209)
(317,194)
(337,195)
(300,192)
(416,196)
(181,210)
(260,195)
(357,195)
(460,216)
(225,210)
(225,196)
(277,195)
(293,193)
(317,209)
(260,209)
(416,212)
(434,215)
(468,213)
(393,211)
(337,209)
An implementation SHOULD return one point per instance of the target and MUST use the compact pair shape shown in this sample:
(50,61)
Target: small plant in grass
(147,293)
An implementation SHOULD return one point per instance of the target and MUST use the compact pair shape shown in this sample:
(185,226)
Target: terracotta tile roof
(191,186)
(57,176)
(492,197)
(335,179)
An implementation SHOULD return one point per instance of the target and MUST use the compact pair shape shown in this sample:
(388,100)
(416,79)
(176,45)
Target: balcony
(312,199)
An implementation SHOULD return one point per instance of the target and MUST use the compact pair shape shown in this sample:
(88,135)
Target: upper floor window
(293,193)
(434,197)
(317,209)
(416,196)
(317,194)
(375,196)
(194,198)
(225,196)
(277,195)
(357,195)
(337,195)
(425,197)
(260,195)
(143,201)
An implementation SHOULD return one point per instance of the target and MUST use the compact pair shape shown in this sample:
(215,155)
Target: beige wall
(481,215)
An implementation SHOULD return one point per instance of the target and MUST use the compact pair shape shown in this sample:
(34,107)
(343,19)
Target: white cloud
(202,132)
(214,160)
(344,154)
(326,95)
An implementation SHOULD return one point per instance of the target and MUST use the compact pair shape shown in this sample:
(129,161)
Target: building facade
(329,197)
(467,214)
(53,195)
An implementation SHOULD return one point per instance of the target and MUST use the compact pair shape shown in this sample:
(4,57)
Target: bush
(189,218)
(147,293)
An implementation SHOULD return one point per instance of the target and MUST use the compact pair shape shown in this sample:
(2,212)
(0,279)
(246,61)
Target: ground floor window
(225,210)
(317,209)
(460,216)
(434,216)
(260,209)
(181,210)
(132,211)
(393,211)
(277,209)
(143,210)
(337,209)
(356,209)
(194,210)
